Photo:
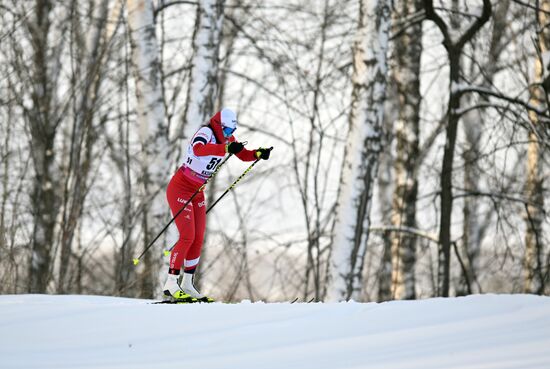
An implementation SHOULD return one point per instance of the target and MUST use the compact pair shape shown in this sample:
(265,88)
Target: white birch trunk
(153,131)
(362,150)
(408,49)
(150,107)
(533,274)
(203,86)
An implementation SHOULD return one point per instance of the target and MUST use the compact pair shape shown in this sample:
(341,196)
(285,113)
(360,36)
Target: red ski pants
(191,222)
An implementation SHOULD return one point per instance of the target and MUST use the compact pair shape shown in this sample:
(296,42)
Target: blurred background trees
(423,126)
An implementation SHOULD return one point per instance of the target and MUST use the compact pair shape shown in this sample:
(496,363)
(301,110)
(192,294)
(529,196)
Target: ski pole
(167,252)
(136,260)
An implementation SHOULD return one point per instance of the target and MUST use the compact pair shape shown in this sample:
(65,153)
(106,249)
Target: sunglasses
(228,131)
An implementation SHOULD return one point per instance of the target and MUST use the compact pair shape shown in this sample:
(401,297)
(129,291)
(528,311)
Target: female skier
(205,151)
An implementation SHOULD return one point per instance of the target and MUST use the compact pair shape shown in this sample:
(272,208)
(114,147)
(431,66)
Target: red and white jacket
(207,150)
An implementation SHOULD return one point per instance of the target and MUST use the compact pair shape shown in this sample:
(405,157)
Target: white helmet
(228,120)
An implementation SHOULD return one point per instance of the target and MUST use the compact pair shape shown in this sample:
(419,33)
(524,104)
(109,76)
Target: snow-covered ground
(484,331)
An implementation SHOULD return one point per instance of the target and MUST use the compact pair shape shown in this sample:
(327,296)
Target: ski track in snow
(480,331)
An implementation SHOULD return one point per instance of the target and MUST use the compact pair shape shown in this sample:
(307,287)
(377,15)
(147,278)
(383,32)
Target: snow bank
(483,331)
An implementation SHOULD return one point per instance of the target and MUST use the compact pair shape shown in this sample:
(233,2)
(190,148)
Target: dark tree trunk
(454,47)
(43,127)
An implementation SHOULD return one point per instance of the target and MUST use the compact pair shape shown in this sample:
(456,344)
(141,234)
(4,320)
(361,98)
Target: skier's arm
(247,155)
(201,149)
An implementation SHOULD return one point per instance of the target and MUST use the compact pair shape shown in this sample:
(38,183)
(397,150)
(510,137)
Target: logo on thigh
(183,201)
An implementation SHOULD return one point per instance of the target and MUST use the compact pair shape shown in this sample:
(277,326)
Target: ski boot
(173,292)
(189,288)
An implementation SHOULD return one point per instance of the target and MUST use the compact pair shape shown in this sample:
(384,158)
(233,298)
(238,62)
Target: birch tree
(153,132)
(533,259)
(203,87)
(361,151)
(408,49)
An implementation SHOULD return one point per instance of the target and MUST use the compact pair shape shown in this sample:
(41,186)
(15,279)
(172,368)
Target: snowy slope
(485,331)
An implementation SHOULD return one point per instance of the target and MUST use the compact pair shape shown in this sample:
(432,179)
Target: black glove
(234,147)
(262,153)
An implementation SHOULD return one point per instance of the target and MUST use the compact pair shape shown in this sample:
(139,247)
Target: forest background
(410,145)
